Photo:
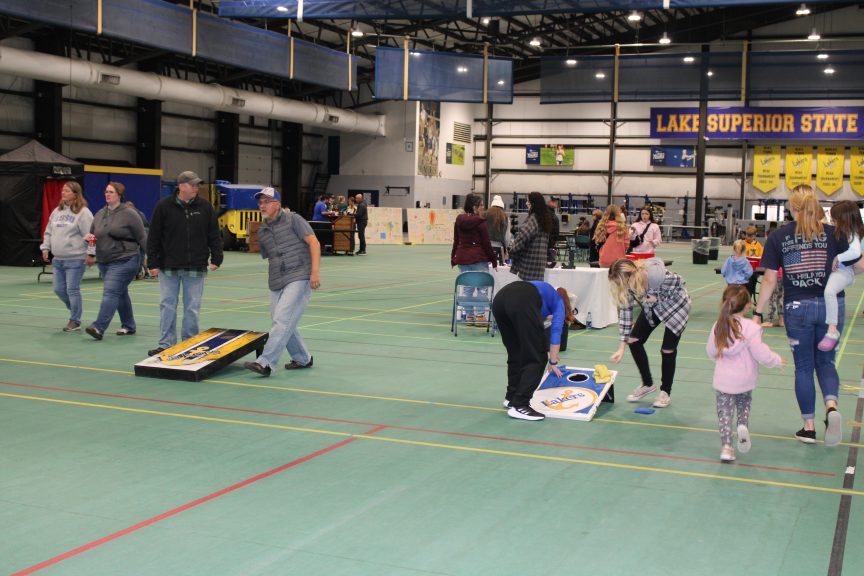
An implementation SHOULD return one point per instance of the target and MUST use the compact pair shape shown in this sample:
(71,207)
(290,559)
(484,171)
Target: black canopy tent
(23,176)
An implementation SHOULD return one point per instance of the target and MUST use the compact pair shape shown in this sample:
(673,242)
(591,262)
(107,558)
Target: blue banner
(673,156)
(532,154)
(842,123)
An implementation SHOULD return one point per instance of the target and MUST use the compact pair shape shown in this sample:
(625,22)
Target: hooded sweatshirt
(736,270)
(119,234)
(471,241)
(736,371)
(64,234)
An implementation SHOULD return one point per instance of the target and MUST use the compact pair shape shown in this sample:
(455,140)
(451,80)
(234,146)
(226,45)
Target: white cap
(497,201)
(269,193)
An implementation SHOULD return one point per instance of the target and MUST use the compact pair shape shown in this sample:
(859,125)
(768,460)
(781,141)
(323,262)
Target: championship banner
(576,394)
(762,123)
(799,165)
(766,168)
(829,168)
(856,169)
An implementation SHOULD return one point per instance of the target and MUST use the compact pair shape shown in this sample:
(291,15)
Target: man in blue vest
(294,255)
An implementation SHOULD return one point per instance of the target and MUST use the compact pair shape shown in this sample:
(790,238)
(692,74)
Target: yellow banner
(829,168)
(799,165)
(766,168)
(856,169)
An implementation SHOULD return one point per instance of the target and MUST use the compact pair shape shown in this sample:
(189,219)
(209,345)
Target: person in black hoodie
(184,242)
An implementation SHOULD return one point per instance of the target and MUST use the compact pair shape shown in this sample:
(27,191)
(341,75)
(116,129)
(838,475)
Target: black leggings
(641,332)
(516,309)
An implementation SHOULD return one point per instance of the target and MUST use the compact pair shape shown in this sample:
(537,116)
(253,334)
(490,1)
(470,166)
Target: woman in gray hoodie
(64,238)
(119,235)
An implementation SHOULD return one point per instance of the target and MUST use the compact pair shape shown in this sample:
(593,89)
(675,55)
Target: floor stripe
(455,447)
(848,330)
(838,547)
(412,429)
(401,400)
(180,509)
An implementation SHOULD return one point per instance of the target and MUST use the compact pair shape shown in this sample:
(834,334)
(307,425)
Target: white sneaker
(744,444)
(727,454)
(640,393)
(662,401)
(834,428)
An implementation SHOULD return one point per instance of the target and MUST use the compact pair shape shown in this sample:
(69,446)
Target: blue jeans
(286,307)
(805,327)
(169,293)
(67,285)
(116,277)
(468,290)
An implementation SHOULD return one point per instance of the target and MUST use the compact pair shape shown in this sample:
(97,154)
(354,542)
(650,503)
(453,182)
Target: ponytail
(728,328)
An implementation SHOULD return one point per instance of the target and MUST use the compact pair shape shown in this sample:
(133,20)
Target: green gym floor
(393,456)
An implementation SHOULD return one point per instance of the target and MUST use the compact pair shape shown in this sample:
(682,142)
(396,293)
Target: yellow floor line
(398,399)
(446,446)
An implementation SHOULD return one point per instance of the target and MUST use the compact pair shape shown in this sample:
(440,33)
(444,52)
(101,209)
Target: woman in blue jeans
(472,250)
(64,238)
(119,235)
(806,249)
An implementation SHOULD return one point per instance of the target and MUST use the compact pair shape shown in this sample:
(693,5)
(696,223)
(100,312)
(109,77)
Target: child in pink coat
(736,346)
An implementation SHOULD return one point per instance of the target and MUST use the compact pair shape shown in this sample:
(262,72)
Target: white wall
(387,155)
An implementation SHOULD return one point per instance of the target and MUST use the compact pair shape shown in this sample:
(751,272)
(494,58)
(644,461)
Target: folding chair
(480,302)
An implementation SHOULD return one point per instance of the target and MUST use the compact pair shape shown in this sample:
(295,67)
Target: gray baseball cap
(188,177)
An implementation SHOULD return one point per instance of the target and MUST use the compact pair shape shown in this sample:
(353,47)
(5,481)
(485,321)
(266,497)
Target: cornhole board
(573,396)
(202,355)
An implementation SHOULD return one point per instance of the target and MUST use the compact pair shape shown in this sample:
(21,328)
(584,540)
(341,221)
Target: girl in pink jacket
(736,346)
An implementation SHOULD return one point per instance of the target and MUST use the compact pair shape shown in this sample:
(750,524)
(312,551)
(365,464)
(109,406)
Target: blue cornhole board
(573,396)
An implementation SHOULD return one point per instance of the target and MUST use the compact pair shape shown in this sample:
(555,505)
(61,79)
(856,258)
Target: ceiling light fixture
(486,21)
(665,39)
(357,33)
(600,75)
(822,56)
(571,62)
(710,73)
(462,69)
(535,42)
(802,11)
(281,9)
(689,59)
(500,82)
(829,70)
(634,16)
(814,35)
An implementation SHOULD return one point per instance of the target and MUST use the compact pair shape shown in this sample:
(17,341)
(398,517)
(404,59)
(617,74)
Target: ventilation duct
(83,73)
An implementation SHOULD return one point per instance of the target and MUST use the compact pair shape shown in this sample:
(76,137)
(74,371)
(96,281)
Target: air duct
(83,73)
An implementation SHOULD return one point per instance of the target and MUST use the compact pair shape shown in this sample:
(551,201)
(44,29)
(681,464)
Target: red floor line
(179,509)
(425,430)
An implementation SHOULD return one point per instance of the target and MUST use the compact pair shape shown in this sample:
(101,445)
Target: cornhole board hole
(573,396)
(202,355)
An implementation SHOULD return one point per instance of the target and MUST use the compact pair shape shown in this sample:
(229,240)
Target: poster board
(384,226)
(431,226)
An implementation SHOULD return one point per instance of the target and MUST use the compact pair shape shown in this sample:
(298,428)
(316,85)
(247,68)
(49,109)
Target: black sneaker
(359,253)
(806,436)
(155,351)
(294,365)
(506,403)
(524,413)
(94,332)
(255,367)
(125,331)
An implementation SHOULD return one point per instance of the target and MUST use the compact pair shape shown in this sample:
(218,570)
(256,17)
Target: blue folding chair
(481,303)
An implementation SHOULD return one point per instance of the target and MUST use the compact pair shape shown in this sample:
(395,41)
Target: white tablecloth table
(590,285)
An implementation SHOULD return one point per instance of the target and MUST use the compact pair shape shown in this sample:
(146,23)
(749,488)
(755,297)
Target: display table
(343,234)
(590,285)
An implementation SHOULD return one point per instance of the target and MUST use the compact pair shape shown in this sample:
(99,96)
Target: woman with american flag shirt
(806,249)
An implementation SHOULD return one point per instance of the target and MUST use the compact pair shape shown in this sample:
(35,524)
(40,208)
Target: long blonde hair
(738,247)
(613,212)
(728,328)
(808,219)
(798,194)
(79,201)
(626,277)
